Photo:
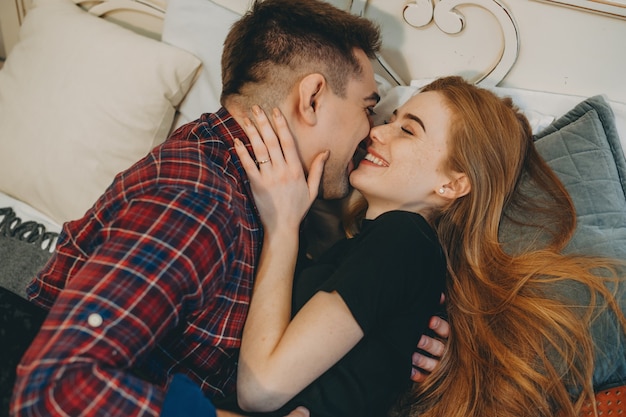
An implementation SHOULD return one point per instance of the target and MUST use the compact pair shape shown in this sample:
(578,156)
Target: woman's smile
(375,159)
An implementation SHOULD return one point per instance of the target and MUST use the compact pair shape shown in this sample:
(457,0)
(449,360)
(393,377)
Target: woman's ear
(310,90)
(458,187)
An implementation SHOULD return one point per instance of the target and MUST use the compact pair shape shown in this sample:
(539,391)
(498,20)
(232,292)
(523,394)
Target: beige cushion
(80,100)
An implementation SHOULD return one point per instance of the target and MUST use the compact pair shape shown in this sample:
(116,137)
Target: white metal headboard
(421,12)
(152,8)
(545,47)
(446,16)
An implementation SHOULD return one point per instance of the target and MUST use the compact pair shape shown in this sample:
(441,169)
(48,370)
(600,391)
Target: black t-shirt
(390,276)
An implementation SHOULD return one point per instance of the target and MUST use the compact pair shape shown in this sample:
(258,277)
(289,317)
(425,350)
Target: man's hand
(223,413)
(423,364)
(298,412)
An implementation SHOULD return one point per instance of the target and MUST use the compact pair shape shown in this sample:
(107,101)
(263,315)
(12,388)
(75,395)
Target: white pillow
(80,100)
(200,27)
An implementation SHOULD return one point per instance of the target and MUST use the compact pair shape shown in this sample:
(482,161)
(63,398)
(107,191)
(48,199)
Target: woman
(519,347)
(452,156)
(369,298)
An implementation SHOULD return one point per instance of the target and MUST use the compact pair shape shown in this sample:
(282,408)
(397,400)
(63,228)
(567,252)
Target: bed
(89,87)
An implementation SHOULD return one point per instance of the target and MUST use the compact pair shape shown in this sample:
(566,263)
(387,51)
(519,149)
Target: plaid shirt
(156,277)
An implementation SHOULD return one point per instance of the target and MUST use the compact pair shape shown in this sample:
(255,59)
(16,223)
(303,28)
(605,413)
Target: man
(155,279)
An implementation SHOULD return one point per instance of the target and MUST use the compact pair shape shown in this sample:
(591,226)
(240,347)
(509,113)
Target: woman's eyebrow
(416,119)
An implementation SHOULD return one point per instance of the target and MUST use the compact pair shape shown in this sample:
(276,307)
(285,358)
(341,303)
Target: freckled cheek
(409,168)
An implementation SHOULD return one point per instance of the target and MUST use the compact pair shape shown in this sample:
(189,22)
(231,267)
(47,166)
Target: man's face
(344,124)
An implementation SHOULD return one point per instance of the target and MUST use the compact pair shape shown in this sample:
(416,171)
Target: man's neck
(237,111)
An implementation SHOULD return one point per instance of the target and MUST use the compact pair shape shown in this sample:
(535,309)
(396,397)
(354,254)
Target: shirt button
(94,320)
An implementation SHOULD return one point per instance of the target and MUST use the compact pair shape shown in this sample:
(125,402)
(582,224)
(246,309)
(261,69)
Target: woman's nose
(378,133)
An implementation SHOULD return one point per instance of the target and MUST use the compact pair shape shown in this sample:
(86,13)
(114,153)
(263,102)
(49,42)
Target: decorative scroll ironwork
(420,13)
(445,15)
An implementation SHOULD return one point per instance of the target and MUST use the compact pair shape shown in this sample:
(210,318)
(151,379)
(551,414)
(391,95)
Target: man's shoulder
(206,143)
(198,153)
(219,126)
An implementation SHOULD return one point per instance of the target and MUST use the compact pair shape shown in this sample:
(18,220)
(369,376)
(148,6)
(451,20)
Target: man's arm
(124,299)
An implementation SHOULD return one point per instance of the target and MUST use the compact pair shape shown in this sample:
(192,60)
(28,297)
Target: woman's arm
(279,357)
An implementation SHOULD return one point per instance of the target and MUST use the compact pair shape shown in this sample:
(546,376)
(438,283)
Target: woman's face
(404,166)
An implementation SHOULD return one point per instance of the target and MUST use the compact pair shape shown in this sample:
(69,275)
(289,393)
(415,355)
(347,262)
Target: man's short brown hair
(279,41)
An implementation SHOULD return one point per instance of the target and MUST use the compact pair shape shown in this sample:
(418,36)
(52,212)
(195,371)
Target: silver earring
(441,190)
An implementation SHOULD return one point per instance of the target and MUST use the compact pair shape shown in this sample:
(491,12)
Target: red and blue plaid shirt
(154,280)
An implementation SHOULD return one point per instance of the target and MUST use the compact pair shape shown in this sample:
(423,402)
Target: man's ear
(310,90)
(458,187)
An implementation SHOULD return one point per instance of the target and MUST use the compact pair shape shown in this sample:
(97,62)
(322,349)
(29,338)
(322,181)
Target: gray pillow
(584,150)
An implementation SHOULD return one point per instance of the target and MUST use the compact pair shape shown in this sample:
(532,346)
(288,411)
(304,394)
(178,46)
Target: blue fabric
(184,398)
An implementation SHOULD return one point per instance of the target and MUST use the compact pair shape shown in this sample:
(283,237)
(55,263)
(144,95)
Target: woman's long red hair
(518,345)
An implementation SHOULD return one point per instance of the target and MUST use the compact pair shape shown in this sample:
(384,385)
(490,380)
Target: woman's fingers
(285,137)
(268,137)
(257,143)
(291,157)
(274,141)
(249,165)
(274,146)
(315,174)
(280,188)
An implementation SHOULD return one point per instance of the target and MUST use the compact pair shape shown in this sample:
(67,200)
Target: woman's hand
(281,192)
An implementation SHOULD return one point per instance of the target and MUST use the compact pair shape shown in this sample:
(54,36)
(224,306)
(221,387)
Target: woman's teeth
(375,160)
